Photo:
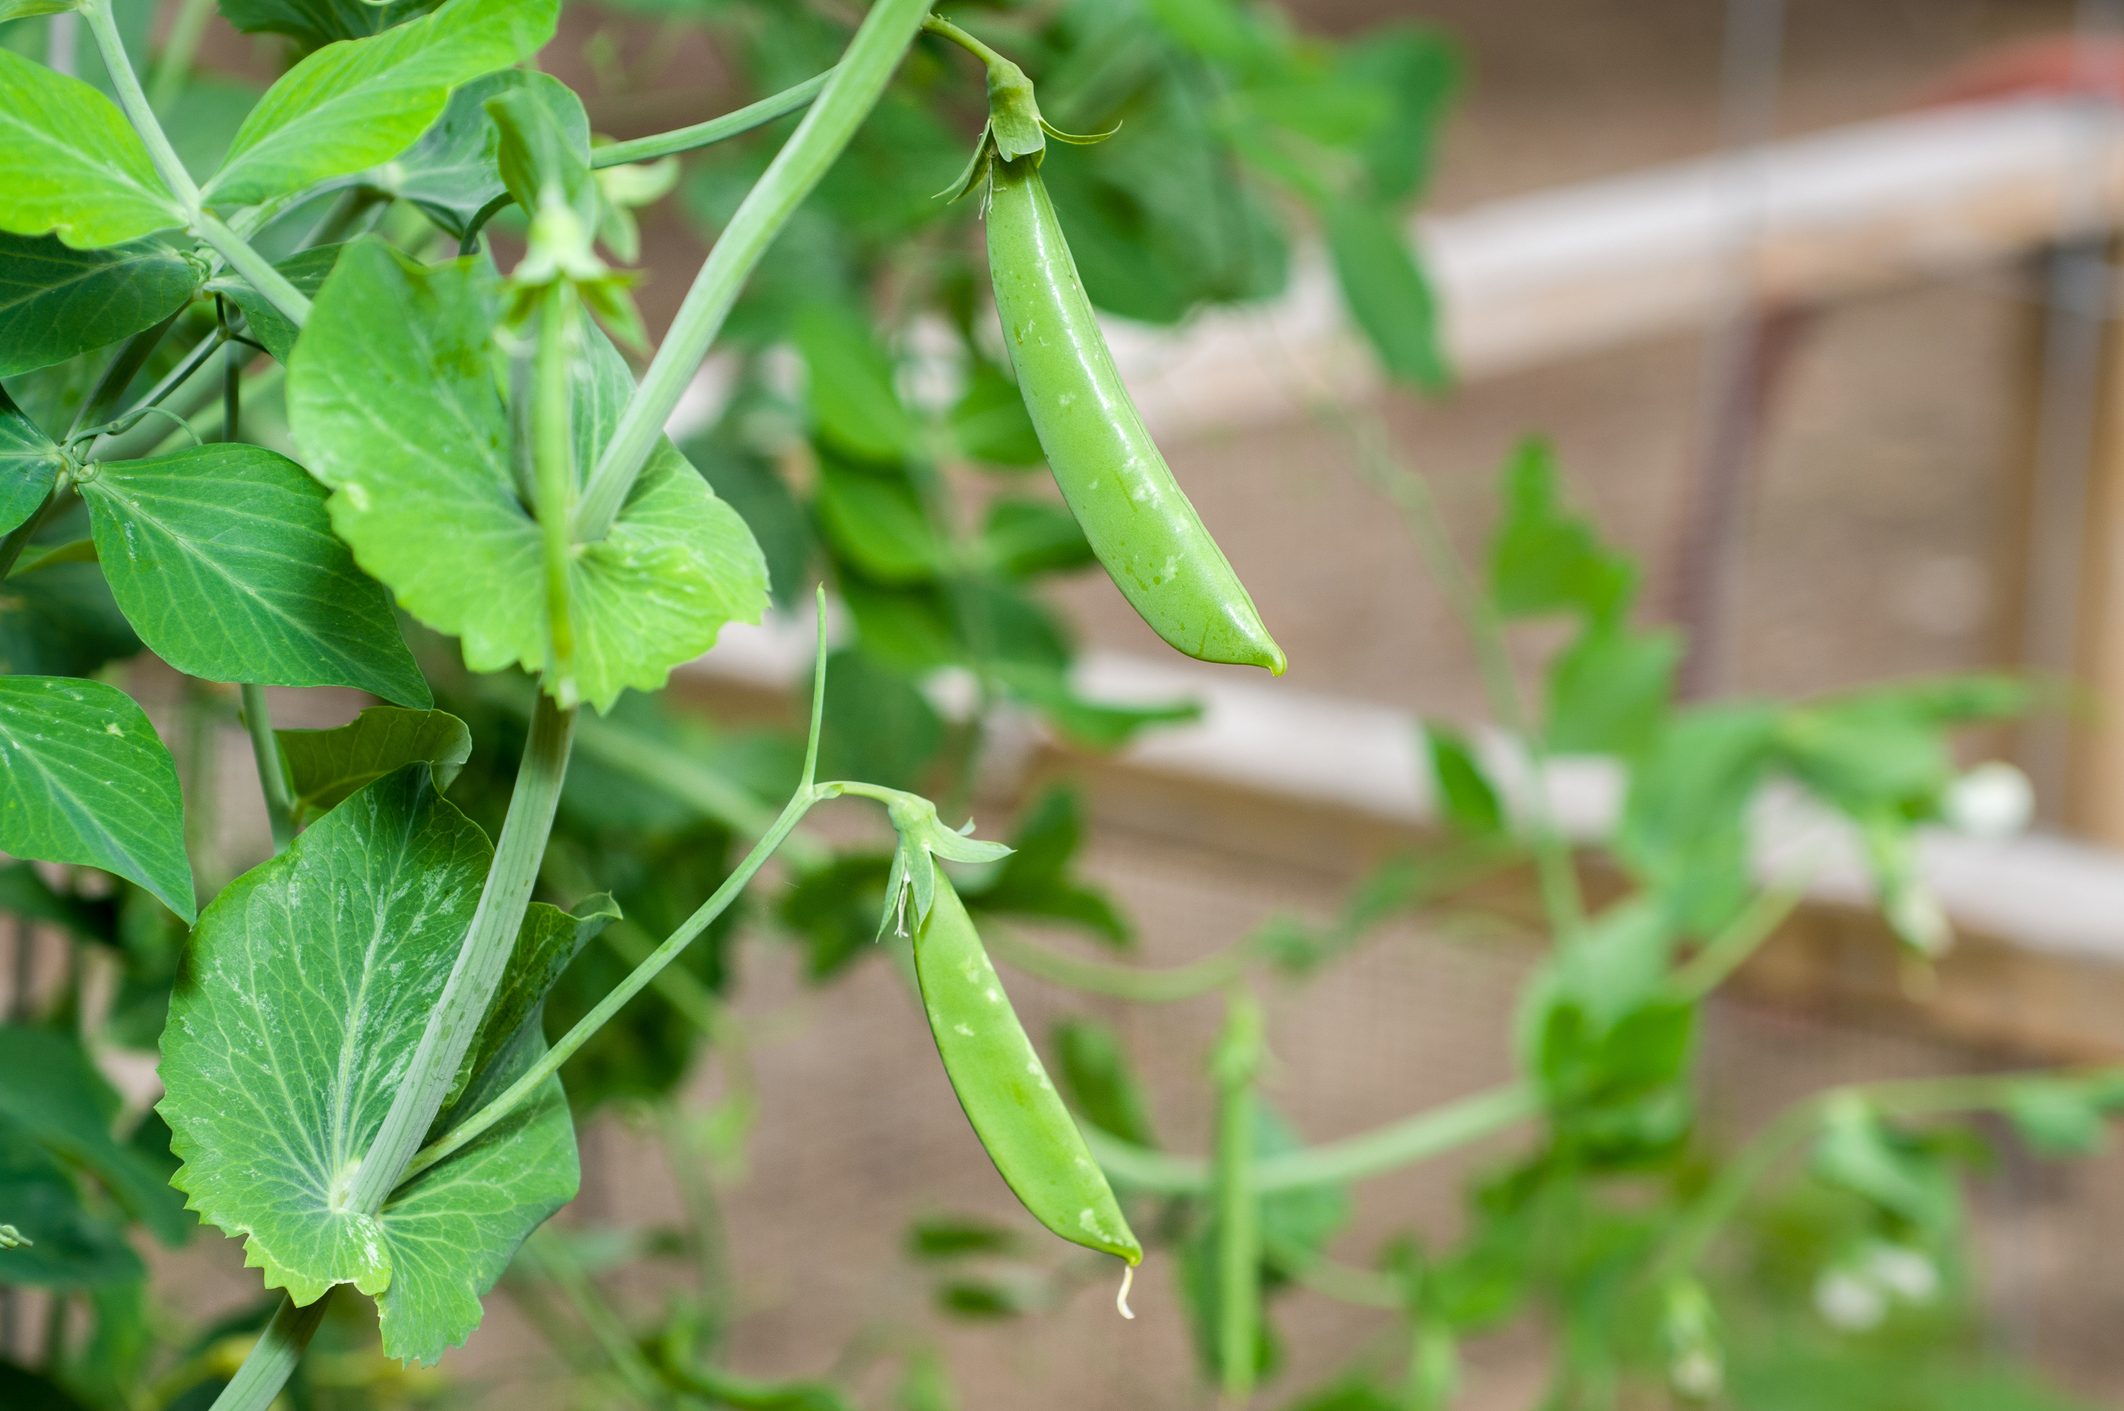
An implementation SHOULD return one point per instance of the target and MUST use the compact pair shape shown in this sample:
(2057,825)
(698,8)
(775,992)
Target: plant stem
(512,1097)
(714,130)
(1426,1135)
(174,63)
(1727,951)
(135,103)
(272,1358)
(850,92)
(272,777)
(1411,494)
(488,943)
(553,467)
(1237,1065)
(293,304)
(809,792)
(1134,983)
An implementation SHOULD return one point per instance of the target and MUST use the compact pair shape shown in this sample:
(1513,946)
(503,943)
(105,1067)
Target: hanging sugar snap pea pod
(1005,1091)
(1137,518)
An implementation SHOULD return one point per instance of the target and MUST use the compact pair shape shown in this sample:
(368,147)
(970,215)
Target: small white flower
(1917,917)
(1905,1272)
(1993,800)
(1697,1374)
(1849,1302)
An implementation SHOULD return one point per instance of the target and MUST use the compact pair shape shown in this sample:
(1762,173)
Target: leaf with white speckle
(309,981)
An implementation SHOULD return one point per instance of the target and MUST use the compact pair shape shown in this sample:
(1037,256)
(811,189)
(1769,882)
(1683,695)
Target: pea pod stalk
(1137,518)
(1005,1091)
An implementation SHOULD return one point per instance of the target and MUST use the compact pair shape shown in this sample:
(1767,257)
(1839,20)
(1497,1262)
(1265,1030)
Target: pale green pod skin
(1138,519)
(1005,1091)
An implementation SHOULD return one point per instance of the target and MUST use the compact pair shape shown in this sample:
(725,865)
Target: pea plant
(334,385)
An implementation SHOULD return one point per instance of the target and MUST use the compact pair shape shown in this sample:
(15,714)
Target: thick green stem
(272,1358)
(553,465)
(849,95)
(272,776)
(1419,1138)
(512,1097)
(488,943)
(714,130)
(135,103)
(293,304)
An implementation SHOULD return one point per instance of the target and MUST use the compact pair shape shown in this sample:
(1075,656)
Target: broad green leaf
(1418,71)
(70,1247)
(453,171)
(56,301)
(358,102)
(69,1110)
(854,406)
(325,766)
(315,22)
(393,399)
(84,778)
(1609,690)
(24,9)
(2060,1117)
(990,423)
(1101,1082)
(29,463)
(71,164)
(1024,537)
(307,270)
(1035,880)
(1466,797)
(1543,558)
(544,146)
(223,559)
(309,981)
(874,521)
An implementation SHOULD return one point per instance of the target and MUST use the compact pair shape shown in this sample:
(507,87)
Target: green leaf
(874,521)
(315,22)
(1035,879)
(69,1110)
(1898,1173)
(544,145)
(990,423)
(70,1247)
(1419,73)
(392,396)
(84,778)
(22,1390)
(56,301)
(885,729)
(309,981)
(71,164)
(955,1237)
(1466,797)
(1386,291)
(452,172)
(325,766)
(854,405)
(222,557)
(1102,1085)
(1099,725)
(1608,691)
(1545,559)
(29,463)
(2060,1117)
(307,270)
(24,9)
(358,102)
(1023,537)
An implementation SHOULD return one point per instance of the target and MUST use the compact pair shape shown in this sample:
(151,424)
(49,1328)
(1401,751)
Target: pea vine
(337,388)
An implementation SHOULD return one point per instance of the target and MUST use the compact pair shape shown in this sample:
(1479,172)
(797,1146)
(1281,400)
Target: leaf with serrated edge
(392,397)
(358,102)
(71,164)
(84,778)
(29,463)
(223,559)
(325,766)
(56,301)
(324,963)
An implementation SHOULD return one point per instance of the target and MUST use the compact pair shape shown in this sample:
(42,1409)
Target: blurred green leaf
(1387,293)
(1468,800)
(1545,559)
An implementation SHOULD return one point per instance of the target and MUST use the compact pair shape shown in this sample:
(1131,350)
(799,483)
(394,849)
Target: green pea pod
(1014,1109)
(1135,514)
